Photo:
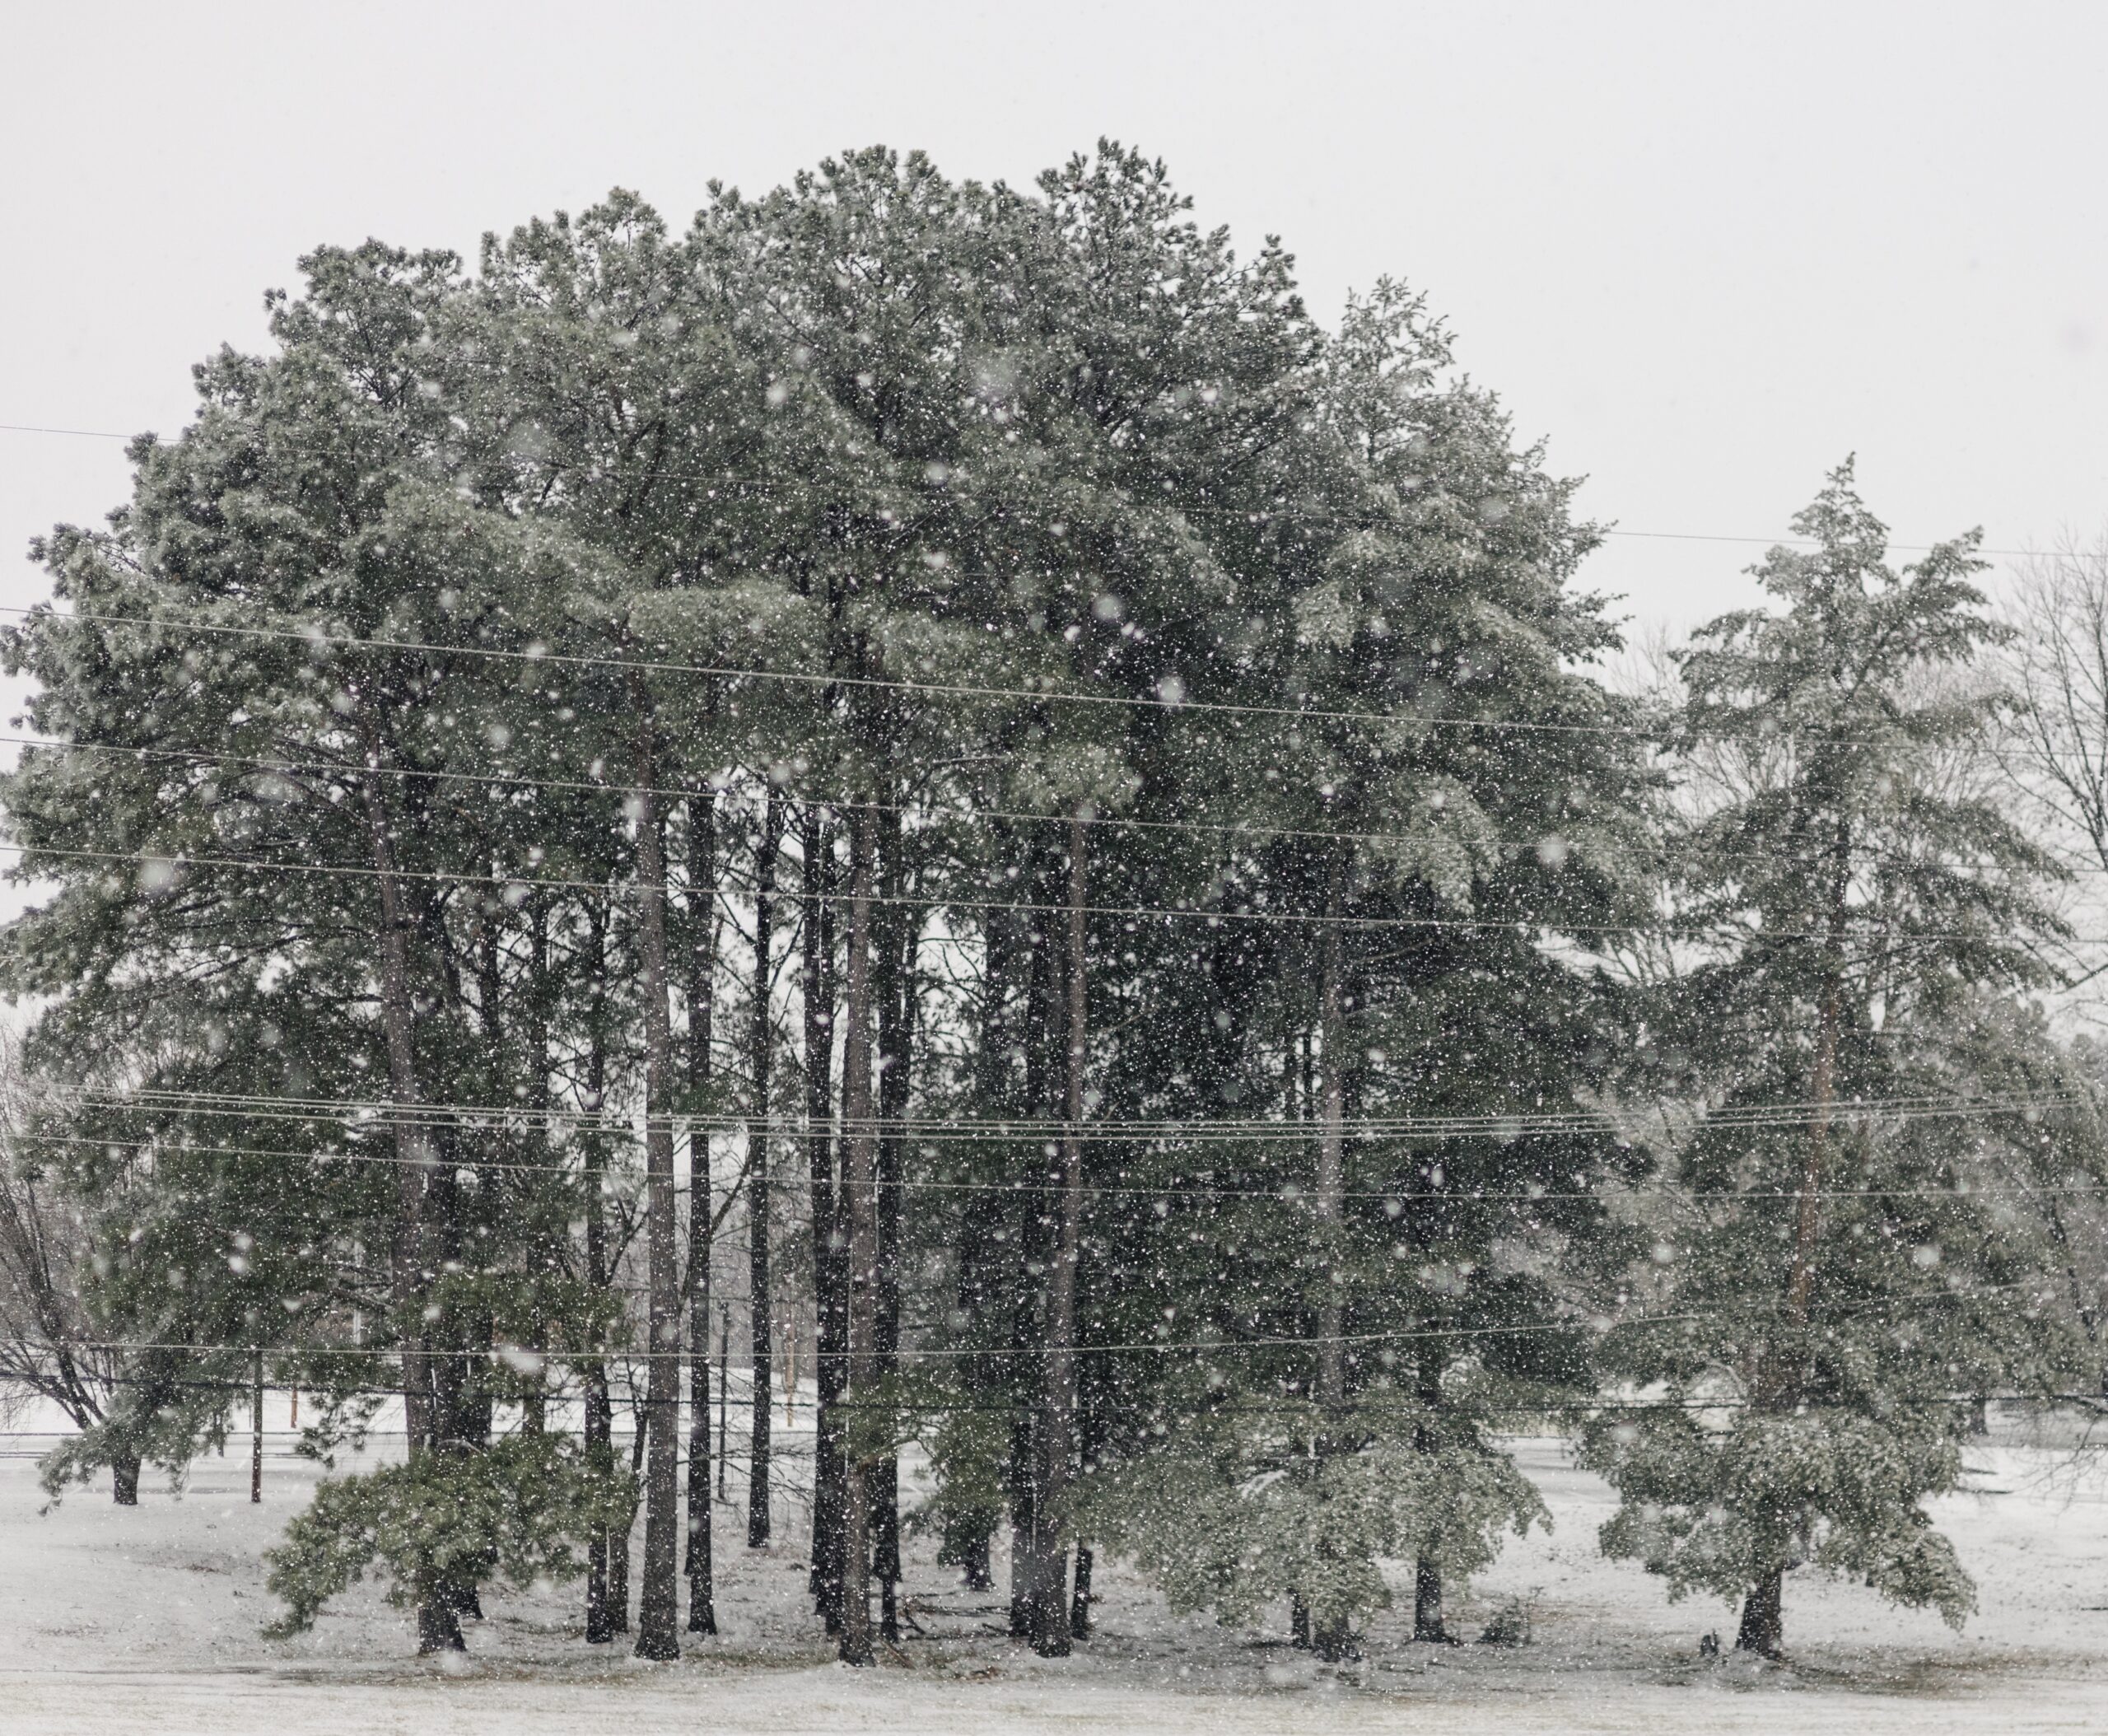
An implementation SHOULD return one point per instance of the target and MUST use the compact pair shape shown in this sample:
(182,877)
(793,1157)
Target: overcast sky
(1704,251)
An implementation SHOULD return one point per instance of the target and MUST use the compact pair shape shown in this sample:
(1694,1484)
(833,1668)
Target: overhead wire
(1255,514)
(316,638)
(1612,1193)
(1503,1125)
(1538,927)
(1521,1408)
(937,814)
(505,1354)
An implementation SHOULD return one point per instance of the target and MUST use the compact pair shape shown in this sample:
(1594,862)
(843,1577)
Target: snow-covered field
(146,1619)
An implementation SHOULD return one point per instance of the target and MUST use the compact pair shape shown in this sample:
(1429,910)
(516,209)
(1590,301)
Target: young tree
(1845,1289)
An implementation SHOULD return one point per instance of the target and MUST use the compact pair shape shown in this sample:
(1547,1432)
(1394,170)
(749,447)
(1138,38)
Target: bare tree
(2060,747)
(47,1347)
(2055,752)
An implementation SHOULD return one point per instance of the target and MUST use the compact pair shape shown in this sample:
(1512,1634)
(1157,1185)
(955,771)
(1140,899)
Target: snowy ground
(146,1619)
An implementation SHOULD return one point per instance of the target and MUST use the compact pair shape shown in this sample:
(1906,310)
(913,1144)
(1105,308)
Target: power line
(497,1356)
(381,1112)
(316,638)
(19,427)
(313,636)
(1201,1410)
(1253,832)
(1521,928)
(1250,515)
(1291,1194)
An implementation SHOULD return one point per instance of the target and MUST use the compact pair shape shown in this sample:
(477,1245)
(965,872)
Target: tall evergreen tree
(1841,1289)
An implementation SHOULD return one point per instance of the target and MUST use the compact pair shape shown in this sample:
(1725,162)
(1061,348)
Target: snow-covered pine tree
(1836,1288)
(283,783)
(1335,1280)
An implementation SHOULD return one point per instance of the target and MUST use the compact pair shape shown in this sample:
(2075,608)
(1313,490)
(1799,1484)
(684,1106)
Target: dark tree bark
(658,1617)
(698,1564)
(125,1479)
(894,989)
(1048,1609)
(1330,1637)
(1428,1626)
(1091,1399)
(979,1283)
(859,1177)
(601,1608)
(256,1433)
(1080,1605)
(1035,1246)
(600,1625)
(1763,1623)
(760,1048)
(829,1264)
(438,1628)
(618,1543)
(1427,1601)
(456,1412)
(534,1404)
(724,1389)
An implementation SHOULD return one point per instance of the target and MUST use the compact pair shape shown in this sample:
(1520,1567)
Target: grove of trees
(932,788)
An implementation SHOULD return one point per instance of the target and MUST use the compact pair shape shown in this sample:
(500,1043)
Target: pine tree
(1430,584)
(1842,1291)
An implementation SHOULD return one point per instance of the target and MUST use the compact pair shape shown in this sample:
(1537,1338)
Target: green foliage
(521,1509)
(1858,908)
(412,583)
(1216,1535)
(966,1450)
(1712,1508)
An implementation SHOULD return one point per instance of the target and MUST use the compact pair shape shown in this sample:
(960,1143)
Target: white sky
(1705,250)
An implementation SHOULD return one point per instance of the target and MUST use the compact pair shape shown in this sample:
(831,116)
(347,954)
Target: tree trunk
(969,1535)
(599,1448)
(534,1402)
(1763,1629)
(1050,1613)
(125,1479)
(1092,1395)
(832,1366)
(1427,1601)
(619,1541)
(437,1629)
(1304,1105)
(618,1575)
(698,1564)
(760,1048)
(455,1413)
(1035,1252)
(1427,1569)
(723,1389)
(600,1625)
(1331,1638)
(858,1177)
(256,1435)
(1331,1166)
(658,1635)
(894,992)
